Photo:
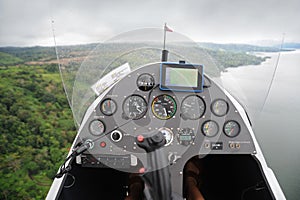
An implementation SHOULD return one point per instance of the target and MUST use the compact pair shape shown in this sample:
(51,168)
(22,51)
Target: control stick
(158,177)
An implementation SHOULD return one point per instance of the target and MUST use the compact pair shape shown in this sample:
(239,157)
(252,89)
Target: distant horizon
(266,43)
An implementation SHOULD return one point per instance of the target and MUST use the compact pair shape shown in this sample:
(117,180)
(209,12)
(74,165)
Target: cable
(258,186)
(83,146)
(274,73)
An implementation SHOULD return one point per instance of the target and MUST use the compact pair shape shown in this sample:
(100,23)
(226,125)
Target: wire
(78,150)
(274,73)
(258,186)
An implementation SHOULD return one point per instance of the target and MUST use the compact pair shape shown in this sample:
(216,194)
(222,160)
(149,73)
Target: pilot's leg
(193,170)
(136,187)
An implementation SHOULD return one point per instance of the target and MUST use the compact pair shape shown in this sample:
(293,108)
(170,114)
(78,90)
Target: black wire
(255,187)
(65,169)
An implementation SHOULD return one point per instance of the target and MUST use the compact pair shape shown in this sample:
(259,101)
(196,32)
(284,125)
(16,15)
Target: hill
(36,129)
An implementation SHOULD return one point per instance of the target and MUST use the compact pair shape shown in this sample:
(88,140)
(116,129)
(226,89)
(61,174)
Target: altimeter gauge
(134,107)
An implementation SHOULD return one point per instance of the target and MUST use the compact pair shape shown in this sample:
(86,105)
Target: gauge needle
(187,105)
(138,108)
(165,111)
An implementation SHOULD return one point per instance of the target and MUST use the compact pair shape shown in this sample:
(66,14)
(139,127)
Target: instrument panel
(192,123)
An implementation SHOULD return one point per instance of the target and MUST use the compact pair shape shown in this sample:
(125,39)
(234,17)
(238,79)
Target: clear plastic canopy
(82,66)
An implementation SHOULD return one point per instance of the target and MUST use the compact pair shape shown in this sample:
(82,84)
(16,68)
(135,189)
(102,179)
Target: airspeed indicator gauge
(164,107)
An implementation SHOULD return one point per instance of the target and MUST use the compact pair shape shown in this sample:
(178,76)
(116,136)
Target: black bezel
(138,80)
(212,110)
(142,115)
(210,135)
(102,110)
(98,121)
(227,123)
(185,117)
(176,107)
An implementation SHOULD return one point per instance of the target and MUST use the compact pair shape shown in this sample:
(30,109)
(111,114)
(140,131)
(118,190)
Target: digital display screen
(181,77)
(185,138)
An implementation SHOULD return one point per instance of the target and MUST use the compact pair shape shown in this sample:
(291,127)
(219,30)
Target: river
(275,119)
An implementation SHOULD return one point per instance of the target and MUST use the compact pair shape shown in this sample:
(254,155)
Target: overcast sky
(27,23)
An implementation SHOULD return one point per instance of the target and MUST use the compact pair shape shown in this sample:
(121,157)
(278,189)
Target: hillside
(36,129)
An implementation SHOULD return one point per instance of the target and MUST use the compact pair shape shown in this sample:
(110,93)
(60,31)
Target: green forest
(36,129)
(36,124)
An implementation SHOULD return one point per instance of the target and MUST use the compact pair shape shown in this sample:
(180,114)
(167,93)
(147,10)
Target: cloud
(29,22)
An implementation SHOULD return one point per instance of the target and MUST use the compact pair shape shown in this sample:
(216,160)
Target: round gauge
(108,107)
(145,82)
(164,106)
(186,136)
(192,107)
(219,107)
(97,127)
(134,107)
(210,128)
(231,128)
(168,134)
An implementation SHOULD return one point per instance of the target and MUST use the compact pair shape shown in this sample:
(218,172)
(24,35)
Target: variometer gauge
(164,107)
(192,107)
(134,107)
(97,127)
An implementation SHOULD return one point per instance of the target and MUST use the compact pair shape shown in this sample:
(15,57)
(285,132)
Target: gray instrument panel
(193,123)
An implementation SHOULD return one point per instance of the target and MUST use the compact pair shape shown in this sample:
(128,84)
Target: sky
(30,23)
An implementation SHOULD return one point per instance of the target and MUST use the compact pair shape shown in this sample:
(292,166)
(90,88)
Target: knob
(116,136)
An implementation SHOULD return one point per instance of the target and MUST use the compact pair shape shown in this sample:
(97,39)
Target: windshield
(88,69)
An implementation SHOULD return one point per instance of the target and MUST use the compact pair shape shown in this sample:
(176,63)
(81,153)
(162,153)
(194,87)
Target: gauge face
(231,128)
(210,128)
(186,136)
(164,106)
(168,134)
(134,107)
(219,107)
(145,82)
(192,107)
(97,127)
(108,107)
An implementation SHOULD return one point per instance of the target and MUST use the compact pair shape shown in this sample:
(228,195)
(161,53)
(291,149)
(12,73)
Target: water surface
(275,119)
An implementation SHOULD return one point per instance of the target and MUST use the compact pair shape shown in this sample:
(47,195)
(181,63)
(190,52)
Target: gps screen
(181,77)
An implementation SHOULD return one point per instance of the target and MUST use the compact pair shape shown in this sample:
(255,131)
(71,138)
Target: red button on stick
(140,138)
(142,170)
(102,144)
